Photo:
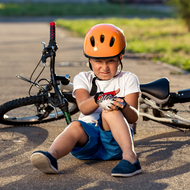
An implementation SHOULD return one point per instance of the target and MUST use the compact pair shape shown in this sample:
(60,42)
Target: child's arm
(131,110)
(86,104)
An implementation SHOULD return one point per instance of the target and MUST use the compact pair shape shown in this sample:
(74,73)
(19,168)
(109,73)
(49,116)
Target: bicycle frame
(156,96)
(50,52)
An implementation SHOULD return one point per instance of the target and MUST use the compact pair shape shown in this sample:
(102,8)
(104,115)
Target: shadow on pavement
(17,140)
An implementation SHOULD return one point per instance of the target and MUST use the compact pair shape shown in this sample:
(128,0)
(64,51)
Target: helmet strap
(121,67)
(94,86)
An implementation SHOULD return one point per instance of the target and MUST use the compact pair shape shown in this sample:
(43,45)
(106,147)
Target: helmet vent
(92,41)
(102,38)
(112,41)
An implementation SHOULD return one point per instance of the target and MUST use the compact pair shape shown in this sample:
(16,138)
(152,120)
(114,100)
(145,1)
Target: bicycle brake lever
(44,54)
(26,80)
(44,45)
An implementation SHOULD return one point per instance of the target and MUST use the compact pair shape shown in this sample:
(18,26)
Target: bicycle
(46,106)
(156,103)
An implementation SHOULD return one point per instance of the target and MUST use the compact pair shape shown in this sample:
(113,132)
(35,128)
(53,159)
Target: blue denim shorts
(101,144)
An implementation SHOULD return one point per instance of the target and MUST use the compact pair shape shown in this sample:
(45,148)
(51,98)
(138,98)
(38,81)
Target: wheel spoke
(33,110)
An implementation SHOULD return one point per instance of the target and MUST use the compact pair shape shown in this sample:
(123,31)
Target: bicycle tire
(176,114)
(182,111)
(14,112)
(181,115)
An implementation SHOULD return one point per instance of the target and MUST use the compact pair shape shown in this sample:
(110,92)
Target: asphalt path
(163,152)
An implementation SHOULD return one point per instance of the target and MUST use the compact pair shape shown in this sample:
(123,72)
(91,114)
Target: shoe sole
(126,175)
(41,162)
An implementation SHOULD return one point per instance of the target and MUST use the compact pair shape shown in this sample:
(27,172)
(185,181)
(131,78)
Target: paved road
(163,152)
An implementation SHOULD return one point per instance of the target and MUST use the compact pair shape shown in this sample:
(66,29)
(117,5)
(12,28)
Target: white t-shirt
(126,81)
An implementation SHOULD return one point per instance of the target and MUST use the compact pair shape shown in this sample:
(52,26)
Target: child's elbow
(133,119)
(84,111)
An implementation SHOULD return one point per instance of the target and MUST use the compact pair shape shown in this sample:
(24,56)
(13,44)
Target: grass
(69,9)
(166,39)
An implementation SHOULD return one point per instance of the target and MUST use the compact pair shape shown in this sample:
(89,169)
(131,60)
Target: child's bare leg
(114,121)
(73,135)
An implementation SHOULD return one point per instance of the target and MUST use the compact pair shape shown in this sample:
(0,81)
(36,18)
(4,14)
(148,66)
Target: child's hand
(118,104)
(105,100)
(108,101)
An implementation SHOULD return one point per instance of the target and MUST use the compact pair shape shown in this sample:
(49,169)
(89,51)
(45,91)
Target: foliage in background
(166,39)
(80,9)
(183,10)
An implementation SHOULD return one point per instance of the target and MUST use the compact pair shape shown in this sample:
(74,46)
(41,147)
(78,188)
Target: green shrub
(183,10)
(166,40)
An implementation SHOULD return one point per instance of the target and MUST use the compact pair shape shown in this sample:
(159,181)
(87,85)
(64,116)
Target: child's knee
(108,114)
(79,133)
(75,123)
(76,127)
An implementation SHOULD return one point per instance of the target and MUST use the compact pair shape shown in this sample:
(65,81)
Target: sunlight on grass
(77,9)
(167,39)
(2,6)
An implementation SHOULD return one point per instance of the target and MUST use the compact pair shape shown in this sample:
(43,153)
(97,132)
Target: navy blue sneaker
(126,169)
(44,161)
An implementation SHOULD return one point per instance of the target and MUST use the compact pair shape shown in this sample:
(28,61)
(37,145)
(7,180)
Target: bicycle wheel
(31,110)
(180,113)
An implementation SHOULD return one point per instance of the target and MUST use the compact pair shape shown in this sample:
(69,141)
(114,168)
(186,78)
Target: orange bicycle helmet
(104,41)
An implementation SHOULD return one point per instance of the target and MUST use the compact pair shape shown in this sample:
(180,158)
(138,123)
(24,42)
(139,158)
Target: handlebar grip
(52,40)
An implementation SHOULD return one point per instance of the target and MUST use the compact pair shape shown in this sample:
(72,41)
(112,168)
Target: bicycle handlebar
(52,41)
(52,33)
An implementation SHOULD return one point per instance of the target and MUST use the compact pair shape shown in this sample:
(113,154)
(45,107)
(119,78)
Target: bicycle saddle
(158,90)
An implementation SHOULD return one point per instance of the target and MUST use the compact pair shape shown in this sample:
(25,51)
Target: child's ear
(121,57)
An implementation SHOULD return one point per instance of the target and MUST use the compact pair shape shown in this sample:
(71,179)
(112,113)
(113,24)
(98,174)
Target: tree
(183,10)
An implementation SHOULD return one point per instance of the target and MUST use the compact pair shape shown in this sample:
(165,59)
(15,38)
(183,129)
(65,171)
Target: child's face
(105,69)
